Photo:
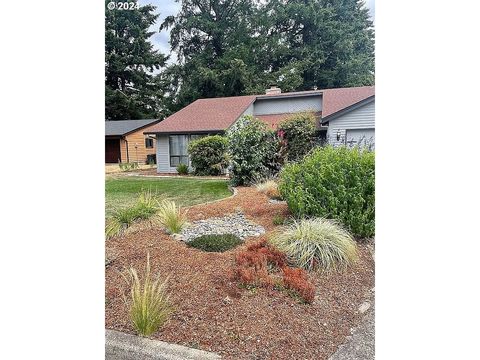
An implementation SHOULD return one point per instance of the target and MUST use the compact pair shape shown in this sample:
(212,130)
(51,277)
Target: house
(125,141)
(344,116)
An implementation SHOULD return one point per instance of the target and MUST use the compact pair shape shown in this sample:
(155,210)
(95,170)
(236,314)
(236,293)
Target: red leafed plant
(260,264)
(297,280)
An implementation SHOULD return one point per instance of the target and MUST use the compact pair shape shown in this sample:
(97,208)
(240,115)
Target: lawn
(121,192)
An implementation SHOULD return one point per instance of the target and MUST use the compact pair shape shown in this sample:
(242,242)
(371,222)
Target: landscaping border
(121,346)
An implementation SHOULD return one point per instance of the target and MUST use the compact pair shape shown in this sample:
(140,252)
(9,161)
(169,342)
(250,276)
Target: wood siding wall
(140,153)
(360,118)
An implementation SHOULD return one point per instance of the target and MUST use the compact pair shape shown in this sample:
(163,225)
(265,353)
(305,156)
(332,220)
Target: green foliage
(143,209)
(253,151)
(171,217)
(278,219)
(208,155)
(335,183)
(128,166)
(182,169)
(131,91)
(298,133)
(149,304)
(316,244)
(215,243)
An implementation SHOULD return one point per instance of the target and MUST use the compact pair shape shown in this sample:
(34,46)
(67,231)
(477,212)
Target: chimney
(273,90)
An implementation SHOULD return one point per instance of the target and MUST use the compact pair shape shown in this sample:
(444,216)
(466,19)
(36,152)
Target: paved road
(361,344)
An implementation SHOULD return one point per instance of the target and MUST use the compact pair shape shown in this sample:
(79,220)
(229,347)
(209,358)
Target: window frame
(149,140)
(188,138)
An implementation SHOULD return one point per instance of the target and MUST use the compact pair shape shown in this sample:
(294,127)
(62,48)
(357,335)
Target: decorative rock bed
(235,224)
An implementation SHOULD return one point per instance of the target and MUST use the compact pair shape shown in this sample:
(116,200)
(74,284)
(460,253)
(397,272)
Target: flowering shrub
(298,134)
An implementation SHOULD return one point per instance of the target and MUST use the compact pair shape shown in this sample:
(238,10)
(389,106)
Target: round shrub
(253,150)
(215,243)
(334,183)
(208,155)
(316,244)
(182,169)
(298,133)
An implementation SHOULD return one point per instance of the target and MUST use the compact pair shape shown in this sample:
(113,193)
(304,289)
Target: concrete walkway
(121,346)
(361,344)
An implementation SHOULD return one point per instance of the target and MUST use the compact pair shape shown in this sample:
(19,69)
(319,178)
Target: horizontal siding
(287,105)
(138,154)
(361,118)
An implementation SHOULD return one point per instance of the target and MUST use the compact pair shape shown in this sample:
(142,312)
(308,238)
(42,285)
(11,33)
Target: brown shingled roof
(335,100)
(218,114)
(215,114)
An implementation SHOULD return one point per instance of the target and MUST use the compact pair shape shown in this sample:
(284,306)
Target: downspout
(126,144)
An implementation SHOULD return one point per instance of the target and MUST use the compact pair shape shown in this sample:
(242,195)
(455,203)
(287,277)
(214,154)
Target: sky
(171,7)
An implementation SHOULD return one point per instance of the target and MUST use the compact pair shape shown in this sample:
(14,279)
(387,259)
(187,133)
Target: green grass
(121,193)
(215,243)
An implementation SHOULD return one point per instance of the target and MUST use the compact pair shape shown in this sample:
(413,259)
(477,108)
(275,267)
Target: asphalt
(121,346)
(361,344)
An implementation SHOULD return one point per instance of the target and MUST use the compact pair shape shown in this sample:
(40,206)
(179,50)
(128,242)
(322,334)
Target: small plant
(317,244)
(122,219)
(255,265)
(215,243)
(170,216)
(182,169)
(297,281)
(149,305)
(278,219)
(269,188)
(128,166)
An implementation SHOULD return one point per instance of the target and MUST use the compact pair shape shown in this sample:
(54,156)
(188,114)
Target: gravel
(235,224)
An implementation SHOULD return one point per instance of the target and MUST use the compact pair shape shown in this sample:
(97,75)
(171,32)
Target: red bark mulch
(214,314)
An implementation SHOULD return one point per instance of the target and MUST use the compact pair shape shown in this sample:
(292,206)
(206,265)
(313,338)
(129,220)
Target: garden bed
(213,313)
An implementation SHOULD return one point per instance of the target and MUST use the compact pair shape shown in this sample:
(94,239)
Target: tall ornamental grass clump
(208,155)
(170,216)
(334,183)
(149,305)
(316,244)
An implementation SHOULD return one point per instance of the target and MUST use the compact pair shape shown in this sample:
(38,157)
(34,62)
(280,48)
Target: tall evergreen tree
(131,90)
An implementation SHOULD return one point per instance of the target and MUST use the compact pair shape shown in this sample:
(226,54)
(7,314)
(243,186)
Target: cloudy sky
(171,7)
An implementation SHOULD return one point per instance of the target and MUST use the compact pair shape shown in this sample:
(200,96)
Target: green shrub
(298,133)
(334,183)
(316,244)
(171,217)
(253,150)
(215,243)
(208,155)
(278,219)
(182,169)
(149,305)
(145,207)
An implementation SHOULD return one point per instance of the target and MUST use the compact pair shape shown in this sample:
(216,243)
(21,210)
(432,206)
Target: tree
(329,42)
(131,89)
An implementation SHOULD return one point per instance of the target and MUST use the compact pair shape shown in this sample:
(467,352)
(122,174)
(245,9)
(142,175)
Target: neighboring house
(125,141)
(343,115)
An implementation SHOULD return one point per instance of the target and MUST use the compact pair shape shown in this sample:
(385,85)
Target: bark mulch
(212,313)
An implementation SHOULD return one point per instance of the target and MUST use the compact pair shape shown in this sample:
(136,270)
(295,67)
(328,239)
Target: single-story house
(344,116)
(125,141)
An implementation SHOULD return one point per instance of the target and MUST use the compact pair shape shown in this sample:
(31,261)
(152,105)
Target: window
(149,143)
(178,150)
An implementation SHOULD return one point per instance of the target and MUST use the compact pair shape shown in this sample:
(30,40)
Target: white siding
(163,155)
(360,118)
(287,105)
